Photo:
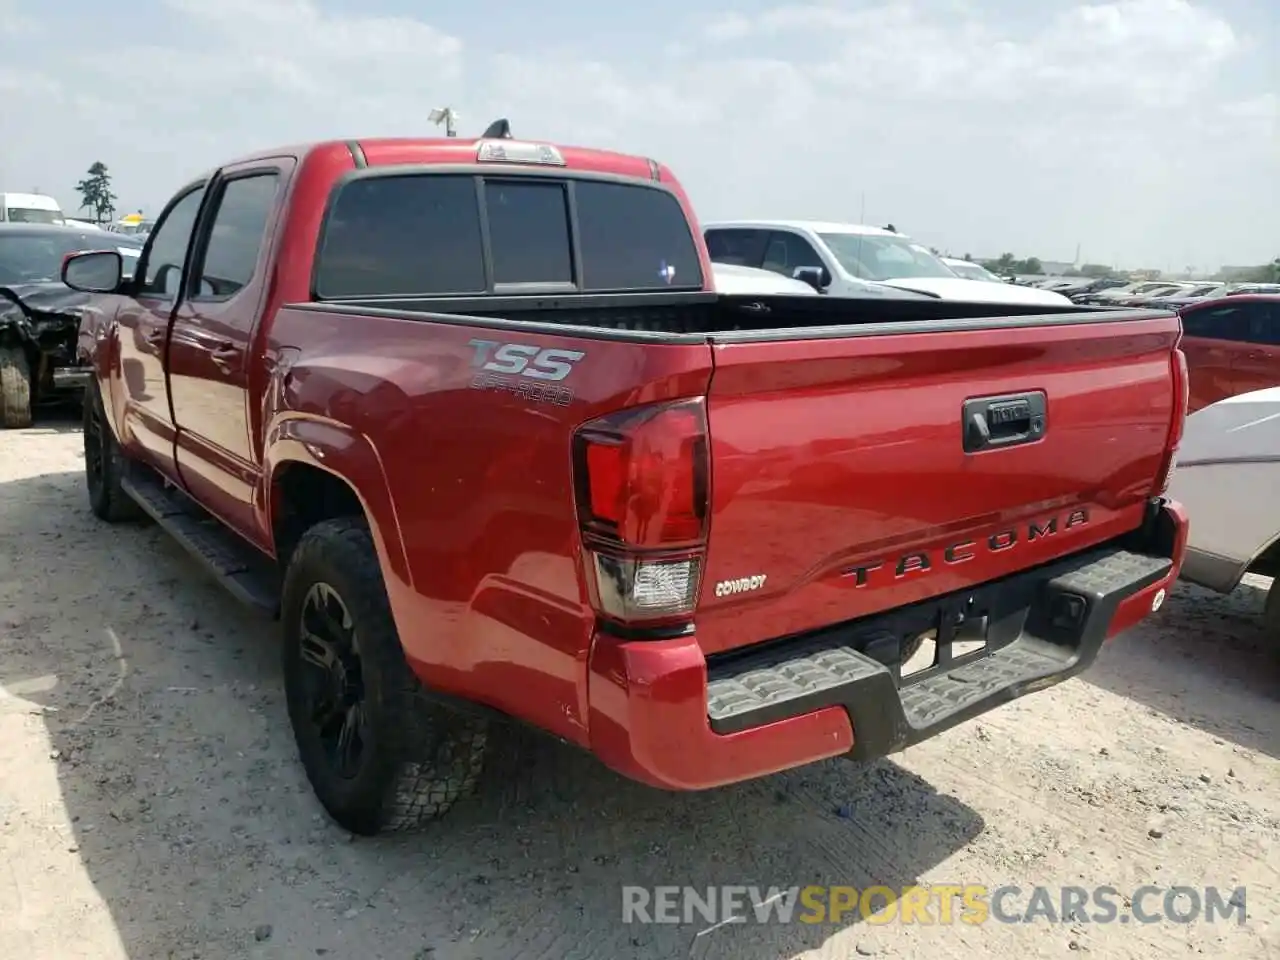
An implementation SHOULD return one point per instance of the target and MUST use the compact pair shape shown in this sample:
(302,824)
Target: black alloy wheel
(333,681)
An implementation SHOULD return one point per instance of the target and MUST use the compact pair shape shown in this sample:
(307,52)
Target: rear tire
(104,464)
(1271,615)
(380,755)
(15,388)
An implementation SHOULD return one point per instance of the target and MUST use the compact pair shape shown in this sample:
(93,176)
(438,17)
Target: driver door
(141,404)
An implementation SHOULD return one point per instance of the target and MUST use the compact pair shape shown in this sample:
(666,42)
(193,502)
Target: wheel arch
(317,470)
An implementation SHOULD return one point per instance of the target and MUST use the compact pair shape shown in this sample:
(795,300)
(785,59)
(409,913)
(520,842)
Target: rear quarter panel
(478,469)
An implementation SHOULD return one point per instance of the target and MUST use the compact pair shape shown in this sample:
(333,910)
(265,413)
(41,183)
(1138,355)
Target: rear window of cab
(433,235)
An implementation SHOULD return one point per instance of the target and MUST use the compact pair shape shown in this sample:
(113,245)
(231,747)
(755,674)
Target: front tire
(15,388)
(379,754)
(104,463)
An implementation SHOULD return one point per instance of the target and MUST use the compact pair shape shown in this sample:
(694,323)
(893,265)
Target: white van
(29,208)
(853,258)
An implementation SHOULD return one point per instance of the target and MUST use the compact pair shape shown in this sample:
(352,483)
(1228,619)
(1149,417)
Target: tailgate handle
(1005,421)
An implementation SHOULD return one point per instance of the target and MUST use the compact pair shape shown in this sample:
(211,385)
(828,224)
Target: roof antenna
(498,130)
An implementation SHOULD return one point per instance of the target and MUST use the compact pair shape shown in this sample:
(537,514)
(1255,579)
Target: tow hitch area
(991,644)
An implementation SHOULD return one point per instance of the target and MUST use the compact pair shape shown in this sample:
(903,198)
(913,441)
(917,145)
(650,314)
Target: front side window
(168,249)
(1264,322)
(231,255)
(787,252)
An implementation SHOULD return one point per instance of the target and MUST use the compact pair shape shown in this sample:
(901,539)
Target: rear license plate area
(932,638)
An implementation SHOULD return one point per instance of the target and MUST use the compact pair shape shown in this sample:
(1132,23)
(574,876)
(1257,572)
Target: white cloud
(1090,122)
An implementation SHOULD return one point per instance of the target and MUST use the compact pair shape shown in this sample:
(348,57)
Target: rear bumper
(1212,571)
(664,715)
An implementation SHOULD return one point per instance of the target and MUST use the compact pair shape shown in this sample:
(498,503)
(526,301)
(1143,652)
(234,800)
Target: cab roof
(387,151)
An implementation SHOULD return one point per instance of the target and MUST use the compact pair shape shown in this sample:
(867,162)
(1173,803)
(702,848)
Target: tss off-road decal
(524,370)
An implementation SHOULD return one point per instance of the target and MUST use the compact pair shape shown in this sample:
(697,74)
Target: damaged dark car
(40,315)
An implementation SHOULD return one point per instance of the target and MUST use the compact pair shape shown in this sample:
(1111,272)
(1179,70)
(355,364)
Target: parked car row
(854,260)
(1166,294)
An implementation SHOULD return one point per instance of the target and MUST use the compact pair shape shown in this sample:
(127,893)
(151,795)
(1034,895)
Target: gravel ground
(151,806)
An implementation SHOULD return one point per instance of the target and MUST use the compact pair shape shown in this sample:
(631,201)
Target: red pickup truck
(470,418)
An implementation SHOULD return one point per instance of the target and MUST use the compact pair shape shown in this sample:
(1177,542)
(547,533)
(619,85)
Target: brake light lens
(645,473)
(518,151)
(643,508)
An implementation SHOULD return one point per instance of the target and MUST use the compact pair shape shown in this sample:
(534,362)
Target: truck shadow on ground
(1204,661)
(56,416)
(169,776)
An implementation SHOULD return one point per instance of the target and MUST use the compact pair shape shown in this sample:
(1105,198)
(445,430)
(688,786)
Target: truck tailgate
(842,486)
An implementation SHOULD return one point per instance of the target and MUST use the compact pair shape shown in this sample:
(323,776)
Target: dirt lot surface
(151,805)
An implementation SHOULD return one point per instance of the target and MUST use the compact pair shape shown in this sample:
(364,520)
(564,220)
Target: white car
(80,224)
(970,270)
(1227,475)
(856,258)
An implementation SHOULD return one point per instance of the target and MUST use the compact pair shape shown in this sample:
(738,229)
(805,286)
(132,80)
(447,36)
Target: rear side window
(738,246)
(402,236)
(421,235)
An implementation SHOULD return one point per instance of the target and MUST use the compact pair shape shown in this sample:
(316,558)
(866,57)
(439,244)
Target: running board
(248,575)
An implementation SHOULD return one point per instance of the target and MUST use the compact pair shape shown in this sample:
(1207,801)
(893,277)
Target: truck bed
(684,317)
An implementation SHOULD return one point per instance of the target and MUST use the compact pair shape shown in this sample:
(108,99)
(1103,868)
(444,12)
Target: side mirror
(99,271)
(817,277)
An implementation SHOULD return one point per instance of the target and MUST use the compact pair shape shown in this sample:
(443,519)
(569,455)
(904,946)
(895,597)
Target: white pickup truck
(852,257)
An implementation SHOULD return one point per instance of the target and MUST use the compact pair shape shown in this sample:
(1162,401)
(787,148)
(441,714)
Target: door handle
(1006,421)
(223,355)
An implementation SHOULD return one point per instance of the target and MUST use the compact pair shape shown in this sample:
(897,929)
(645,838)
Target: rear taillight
(1182,401)
(641,480)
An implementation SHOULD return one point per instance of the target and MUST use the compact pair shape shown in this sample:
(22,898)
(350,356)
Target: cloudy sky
(1147,131)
